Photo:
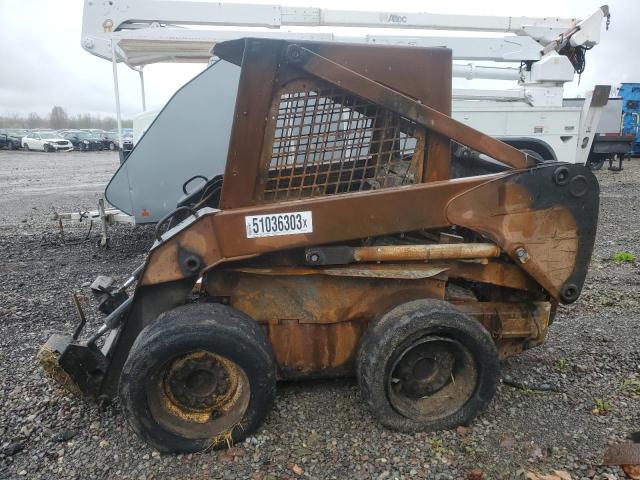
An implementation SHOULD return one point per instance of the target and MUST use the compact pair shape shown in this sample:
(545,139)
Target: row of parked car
(65,140)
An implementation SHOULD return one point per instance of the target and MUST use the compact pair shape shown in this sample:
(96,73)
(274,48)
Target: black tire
(595,164)
(213,331)
(541,149)
(10,145)
(26,147)
(428,325)
(47,148)
(112,146)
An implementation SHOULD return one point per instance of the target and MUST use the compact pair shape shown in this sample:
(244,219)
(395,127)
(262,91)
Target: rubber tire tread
(212,326)
(595,165)
(409,321)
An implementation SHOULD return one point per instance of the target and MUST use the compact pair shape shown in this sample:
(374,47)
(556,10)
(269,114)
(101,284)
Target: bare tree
(58,118)
(34,121)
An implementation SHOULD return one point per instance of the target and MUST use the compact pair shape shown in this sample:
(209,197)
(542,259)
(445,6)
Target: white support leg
(114,62)
(104,237)
(144,100)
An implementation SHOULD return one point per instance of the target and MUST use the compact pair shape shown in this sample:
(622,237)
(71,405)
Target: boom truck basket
(338,243)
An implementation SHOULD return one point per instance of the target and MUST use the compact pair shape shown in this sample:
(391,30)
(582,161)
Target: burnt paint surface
(422,75)
(515,209)
(502,206)
(314,320)
(554,222)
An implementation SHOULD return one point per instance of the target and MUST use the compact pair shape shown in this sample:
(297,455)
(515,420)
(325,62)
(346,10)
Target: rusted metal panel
(304,350)
(404,271)
(555,224)
(494,273)
(424,75)
(421,114)
(314,321)
(255,89)
(314,318)
(222,236)
(515,327)
(523,320)
(545,220)
(316,298)
(437,165)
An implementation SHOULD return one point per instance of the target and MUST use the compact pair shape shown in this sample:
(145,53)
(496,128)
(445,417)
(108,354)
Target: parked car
(4,139)
(127,141)
(125,132)
(108,140)
(83,140)
(12,137)
(113,143)
(97,137)
(46,141)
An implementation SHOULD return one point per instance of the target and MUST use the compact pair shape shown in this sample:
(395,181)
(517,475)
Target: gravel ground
(317,429)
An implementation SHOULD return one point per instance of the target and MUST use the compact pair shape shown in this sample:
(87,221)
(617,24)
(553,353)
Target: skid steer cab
(340,245)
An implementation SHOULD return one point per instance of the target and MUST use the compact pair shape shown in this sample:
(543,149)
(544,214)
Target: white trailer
(547,52)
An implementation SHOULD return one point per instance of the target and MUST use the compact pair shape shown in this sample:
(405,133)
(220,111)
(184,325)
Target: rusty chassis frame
(504,248)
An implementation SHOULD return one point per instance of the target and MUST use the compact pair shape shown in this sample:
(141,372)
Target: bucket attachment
(75,365)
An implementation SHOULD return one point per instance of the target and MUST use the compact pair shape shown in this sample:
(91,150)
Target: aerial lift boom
(148,31)
(538,54)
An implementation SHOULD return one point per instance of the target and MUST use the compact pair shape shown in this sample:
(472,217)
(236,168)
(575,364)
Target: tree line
(58,119)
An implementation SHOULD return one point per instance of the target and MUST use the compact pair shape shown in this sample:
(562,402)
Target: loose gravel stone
(317,429)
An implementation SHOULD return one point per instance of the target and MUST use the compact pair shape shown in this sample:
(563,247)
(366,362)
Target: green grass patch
(602,407)
(562,364)
(624,257)
(631,386)
(437,446)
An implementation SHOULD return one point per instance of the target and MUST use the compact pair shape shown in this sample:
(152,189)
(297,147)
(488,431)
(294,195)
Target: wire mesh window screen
(327,142)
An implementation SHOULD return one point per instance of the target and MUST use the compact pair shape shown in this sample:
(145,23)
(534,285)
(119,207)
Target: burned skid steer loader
(340,245)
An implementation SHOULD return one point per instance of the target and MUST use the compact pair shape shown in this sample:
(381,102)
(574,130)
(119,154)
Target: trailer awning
(138,48)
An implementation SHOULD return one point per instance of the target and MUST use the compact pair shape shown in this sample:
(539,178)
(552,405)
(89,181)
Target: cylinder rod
(445,251)
(471,71)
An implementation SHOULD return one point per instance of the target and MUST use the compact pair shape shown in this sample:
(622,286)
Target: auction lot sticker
(278,224)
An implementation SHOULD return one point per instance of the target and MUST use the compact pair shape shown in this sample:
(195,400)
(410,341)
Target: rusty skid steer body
(340,245)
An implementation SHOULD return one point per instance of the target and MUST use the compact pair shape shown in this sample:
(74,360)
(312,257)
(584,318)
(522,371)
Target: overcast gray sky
(42,63)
